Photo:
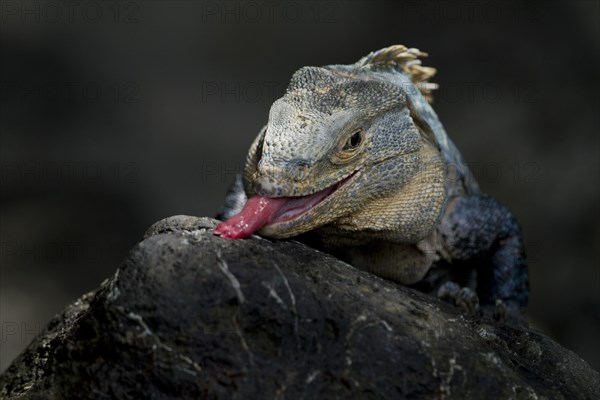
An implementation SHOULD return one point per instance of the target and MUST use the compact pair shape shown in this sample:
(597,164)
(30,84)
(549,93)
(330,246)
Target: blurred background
(117,114)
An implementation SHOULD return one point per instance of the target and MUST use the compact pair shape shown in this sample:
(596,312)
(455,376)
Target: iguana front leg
(478,230)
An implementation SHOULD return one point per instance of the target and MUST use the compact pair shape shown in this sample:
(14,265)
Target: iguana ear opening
(423,126)
(252,159)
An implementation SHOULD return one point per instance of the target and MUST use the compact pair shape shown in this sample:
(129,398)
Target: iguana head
(341,138)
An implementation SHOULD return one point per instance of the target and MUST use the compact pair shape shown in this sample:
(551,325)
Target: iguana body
(355,161)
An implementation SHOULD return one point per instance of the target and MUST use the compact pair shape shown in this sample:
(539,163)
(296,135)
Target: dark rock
(191,315)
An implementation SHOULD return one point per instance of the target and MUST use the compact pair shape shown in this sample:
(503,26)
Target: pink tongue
(257,212)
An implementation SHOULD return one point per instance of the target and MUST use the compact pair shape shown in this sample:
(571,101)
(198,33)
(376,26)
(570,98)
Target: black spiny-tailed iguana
(354,160)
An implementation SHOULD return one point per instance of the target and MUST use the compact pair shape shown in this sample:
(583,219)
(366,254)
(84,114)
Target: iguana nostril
(298,170)
(267,188)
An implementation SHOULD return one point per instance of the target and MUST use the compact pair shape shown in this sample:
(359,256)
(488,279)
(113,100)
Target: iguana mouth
(261,211)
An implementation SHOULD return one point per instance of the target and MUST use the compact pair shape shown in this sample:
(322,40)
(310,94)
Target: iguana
(354,161)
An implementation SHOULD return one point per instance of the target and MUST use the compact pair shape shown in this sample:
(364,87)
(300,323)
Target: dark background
(115,115)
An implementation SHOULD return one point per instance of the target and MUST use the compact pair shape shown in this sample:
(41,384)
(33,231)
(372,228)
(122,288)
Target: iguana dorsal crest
(407,60)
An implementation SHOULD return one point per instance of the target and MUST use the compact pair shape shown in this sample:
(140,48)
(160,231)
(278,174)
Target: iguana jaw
(316,202)
(282,216)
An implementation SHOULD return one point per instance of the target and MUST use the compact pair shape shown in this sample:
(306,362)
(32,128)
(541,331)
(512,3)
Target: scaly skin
(407,207)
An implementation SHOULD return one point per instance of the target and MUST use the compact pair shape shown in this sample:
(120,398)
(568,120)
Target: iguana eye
(349,149)
(354,141)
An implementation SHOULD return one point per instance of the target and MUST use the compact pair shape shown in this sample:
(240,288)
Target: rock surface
(191,315)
